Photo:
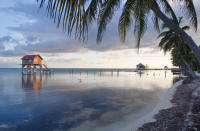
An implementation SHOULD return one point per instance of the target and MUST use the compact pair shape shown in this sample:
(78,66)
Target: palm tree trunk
(188,40)
(189,69)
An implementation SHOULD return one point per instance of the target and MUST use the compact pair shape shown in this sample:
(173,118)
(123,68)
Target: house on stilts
(140,66)
(34,61)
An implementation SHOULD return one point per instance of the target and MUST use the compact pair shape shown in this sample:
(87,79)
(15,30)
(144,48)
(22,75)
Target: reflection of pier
(31,82)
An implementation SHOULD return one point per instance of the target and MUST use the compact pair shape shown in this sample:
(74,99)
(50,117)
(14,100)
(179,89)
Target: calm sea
(78,99)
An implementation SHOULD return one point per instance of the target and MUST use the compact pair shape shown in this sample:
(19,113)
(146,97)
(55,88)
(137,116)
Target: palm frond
(180,19)
(165,33)
(105,16)
(186,27)
(189,6)
(164,40)
(168,46)
(156,23)
(91,11)
(69,12)
(125,19)
(168,9)
(141,11)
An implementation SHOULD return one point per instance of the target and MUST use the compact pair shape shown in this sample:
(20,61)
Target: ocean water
(78,99)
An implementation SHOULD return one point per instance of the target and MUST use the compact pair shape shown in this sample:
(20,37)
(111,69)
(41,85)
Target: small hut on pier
(166,68)
(140,66)
(32,60)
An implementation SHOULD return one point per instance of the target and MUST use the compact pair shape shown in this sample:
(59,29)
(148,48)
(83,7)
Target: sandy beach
(184,113)
(165,103)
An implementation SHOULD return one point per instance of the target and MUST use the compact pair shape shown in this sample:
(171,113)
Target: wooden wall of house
(27,62)
(37,60)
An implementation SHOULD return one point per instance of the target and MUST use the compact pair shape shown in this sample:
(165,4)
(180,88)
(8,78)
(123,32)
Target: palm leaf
(141,11)
(186,27)
(70,12)
(165,33)
(168,9)
(156,23)
(191,12)
(105,16)
(91,11)
(125,19)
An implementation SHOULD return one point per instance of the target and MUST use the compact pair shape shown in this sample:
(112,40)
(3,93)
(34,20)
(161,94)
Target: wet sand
(184,115)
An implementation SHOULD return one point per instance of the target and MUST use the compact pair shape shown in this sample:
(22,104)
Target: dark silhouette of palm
(171,41)
(77,15)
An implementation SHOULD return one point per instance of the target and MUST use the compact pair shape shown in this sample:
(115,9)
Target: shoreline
(163,104)
(183,112)
(138,122)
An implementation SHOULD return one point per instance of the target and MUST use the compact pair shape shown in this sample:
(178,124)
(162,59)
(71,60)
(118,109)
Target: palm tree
(77,15)
(171,41)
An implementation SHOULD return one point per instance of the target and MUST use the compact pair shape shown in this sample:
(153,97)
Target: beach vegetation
(181,54)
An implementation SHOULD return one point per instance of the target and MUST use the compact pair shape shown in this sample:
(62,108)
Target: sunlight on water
(77,99)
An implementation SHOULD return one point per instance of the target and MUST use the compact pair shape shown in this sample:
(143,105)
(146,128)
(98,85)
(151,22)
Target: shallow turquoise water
(77,99)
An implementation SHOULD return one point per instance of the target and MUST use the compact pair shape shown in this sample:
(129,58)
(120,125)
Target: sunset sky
(25,29)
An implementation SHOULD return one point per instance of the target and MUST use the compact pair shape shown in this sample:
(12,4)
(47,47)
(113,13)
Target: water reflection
(78,100)
(140,73)
(31,81)
(117,73)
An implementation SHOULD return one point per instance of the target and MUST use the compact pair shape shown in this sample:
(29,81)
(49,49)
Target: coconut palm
(171,41)
(77,15)
(187,55)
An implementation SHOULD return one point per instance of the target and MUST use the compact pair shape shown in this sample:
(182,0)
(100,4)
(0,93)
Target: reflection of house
(140,66)
(31,82)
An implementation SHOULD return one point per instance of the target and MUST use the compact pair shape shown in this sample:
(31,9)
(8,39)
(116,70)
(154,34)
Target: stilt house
(32,60)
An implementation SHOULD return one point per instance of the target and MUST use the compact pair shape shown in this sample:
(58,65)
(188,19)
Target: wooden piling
(34,69)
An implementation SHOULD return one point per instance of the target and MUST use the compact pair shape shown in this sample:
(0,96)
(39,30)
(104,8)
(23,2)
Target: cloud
(2,40)
(5,38)
(116,107)
(29,30)
(41,35)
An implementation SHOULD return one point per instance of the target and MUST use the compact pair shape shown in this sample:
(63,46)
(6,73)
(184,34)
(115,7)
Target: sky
(26,29)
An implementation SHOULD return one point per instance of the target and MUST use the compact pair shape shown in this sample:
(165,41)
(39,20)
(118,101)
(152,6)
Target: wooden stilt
(29,69)
(40,68)
(23,69)
(34,69)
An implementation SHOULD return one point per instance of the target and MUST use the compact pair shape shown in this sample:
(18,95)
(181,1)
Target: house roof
(140,64)
(165,67)
(30,57)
